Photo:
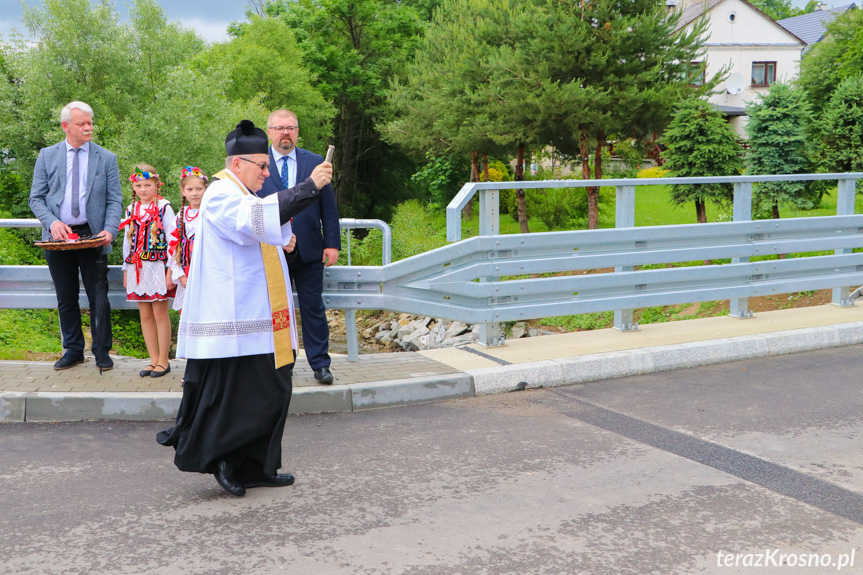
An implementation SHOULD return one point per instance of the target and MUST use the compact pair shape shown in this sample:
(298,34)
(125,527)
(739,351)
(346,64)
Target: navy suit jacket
(321,215)
(104,196)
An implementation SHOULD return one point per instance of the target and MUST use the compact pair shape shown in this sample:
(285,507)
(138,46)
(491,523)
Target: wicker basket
(79,244)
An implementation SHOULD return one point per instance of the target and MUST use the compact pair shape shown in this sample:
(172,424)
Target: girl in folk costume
(193,183)
(149,223)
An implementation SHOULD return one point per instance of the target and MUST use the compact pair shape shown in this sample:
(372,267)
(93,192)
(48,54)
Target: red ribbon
(142,219)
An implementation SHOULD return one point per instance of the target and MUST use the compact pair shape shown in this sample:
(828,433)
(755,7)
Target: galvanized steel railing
(26,287)
(492,278)
(489,221)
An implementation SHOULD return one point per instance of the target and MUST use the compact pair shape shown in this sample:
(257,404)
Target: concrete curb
(131,406)
(12,405)
(586,368)
(413,390)
(137,406)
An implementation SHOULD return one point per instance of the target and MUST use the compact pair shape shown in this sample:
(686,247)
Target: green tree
(188,126)
(699,142)
(778,145)
(603,67)
(80,56)
(264,64)
(156,46)
(439,178)
(778,9)
(843,128)
(838,56)
(448,100)
(353,47)
(85,53)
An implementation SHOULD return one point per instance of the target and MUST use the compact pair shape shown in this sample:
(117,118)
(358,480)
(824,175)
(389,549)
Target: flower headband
(193,171)
(138,175)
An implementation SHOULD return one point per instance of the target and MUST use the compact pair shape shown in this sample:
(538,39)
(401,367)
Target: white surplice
(226,309)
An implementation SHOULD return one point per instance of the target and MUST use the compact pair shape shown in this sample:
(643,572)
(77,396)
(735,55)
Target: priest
(237,329)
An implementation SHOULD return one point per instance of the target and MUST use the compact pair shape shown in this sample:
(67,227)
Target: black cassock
(233,409)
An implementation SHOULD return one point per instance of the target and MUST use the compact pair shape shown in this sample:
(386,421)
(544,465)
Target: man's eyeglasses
(262,165)
(280,129)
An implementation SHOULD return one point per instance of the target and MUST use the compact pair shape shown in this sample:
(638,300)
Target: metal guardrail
(491,278)
(489,223)
(29,287)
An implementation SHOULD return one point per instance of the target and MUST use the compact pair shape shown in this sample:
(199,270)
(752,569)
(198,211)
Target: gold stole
(277,290)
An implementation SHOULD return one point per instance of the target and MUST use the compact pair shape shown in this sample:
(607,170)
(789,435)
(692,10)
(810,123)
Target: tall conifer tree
(699,142)
(778,145)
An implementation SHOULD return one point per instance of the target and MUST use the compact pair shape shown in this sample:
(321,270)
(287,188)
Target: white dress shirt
(291,165)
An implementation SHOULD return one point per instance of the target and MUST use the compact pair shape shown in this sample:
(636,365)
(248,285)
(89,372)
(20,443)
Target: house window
(696,73)
(763,74)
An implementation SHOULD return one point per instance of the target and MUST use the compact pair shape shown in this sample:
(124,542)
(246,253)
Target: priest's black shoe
(104,363)
(226,478)
(280,480)
(68,360)
(323,375)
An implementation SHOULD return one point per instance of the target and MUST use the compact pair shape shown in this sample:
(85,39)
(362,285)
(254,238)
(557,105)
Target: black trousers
(92,265)
(309,280)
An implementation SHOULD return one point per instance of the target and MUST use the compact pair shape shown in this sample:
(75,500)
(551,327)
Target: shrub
(416,229)
(439,180)
(366,251)
(631,153)
(654,172)
(499,172)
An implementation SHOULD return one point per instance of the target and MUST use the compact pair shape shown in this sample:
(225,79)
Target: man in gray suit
(76,189)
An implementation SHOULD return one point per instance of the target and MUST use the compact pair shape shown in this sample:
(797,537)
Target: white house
(756,50)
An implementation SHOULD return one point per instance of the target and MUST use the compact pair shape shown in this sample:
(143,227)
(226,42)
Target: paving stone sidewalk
(40,376)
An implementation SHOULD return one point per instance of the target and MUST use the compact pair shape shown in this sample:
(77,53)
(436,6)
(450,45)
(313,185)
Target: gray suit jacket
(104,195)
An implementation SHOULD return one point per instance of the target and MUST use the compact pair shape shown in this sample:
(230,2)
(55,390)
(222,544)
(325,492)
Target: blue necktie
(285,180)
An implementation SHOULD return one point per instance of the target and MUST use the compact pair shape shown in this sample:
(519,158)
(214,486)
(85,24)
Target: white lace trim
(225,328)
(259,228)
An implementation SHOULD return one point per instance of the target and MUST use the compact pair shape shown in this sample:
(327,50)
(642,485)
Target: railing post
(624,217)
(489,225)
(844,207)
(351,333)
(739,307)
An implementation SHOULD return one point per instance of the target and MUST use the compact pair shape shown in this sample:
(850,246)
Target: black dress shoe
(280,480)
(157,373)
(105,363)
(68,360)
(323,375)
(226,478)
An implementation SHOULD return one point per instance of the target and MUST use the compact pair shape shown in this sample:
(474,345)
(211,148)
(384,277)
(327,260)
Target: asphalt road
(666,473)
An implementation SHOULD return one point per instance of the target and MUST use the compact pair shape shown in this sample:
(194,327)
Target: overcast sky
(209,18)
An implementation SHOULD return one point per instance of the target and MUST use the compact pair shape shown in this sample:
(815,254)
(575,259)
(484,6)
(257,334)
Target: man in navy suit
(317,232)
(76,189)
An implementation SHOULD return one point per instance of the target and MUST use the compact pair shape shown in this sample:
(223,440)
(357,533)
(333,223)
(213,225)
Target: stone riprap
(414,333)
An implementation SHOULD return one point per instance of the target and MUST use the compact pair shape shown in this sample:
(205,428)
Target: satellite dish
(735,83)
